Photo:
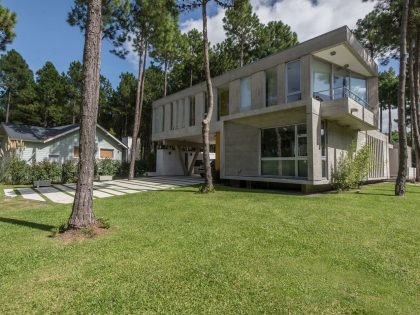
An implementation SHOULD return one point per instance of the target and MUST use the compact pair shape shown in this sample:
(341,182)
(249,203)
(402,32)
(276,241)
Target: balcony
(339,93)
(346,109)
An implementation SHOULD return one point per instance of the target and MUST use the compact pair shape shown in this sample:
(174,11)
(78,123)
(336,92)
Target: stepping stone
(55,195)
(124,185)
(151,184)
(100,194)
(69,190)
(113,192)
(9,193)
(139,186)
(29,193)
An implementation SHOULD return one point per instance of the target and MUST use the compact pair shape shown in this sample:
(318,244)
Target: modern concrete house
(59,144)
(286,118)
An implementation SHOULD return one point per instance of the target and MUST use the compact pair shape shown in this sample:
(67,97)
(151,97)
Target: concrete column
(281,84)
(305,76)
(313,130)
(258,90)
(234,96)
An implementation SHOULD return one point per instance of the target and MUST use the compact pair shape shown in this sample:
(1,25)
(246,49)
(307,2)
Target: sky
(44,35)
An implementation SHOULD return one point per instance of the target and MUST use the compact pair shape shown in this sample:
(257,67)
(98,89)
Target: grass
(234,251)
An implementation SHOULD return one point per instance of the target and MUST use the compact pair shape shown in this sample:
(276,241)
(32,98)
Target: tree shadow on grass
(34,225)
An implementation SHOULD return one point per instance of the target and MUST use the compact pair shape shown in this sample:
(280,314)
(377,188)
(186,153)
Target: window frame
(295,158)
(287,82)
(106,149)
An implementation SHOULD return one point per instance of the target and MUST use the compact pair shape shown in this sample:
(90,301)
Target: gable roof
(44,135)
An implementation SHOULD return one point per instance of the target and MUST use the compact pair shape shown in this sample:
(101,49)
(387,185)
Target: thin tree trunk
(242,55)
(400,184)
(416,106)
(191,77)
(165,84)
(139,105)
(82,214)
(8,106)
(208,185)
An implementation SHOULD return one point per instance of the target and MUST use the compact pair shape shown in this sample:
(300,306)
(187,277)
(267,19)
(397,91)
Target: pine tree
(7,25)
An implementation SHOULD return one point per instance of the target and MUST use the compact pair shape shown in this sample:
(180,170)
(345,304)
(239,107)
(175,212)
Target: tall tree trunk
(139,105)
(191,77)
(416,87)
(413,112)
(241,59)
(208,186)
(400,184)
(165,84)
(82,214)
(8,106)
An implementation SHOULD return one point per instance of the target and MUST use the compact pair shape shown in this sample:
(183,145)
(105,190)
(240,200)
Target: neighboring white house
(58,144)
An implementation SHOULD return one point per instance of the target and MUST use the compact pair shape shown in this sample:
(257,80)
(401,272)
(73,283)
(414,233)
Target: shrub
(69,172)
(352,168)
(18,173)
(46,170)
(12,169)
(107,167)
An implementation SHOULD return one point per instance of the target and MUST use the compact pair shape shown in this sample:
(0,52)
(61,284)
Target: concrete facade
(346,118)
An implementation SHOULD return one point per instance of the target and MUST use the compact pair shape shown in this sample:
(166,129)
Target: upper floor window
(172,116)
(158,118)
(180,114)
(245,94)
(271,87)
(293,81)
(192,111)
(222,102)
(321,80)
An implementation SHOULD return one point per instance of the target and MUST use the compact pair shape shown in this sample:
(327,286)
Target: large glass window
(245,94)
(358,86)
(321,80)
(157,126)
(341,82)
(324,149)
(271,87)
(222,102)
(192,111)
(180,114)
(293,81)
(284,151)
(173,117)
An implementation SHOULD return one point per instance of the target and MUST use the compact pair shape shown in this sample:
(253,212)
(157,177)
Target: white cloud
(216,33)
(304,18)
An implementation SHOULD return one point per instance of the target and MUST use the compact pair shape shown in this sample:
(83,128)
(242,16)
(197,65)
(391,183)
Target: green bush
(46,170)
(19,172)
(352,168)
(69,172)
(107,167)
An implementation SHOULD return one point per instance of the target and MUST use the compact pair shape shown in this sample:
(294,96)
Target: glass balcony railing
(339,93)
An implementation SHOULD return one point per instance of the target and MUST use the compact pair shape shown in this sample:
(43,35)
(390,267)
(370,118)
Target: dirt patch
(72,235)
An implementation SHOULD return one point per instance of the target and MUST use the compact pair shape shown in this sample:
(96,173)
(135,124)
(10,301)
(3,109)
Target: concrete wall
(241,150)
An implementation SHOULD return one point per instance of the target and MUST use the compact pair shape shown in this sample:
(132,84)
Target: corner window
(192,111)
(245,94)
(293,81)
(222,102)
(321,80)
(284,151)
(271,87)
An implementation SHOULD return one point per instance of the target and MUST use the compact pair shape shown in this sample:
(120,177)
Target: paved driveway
(65,193)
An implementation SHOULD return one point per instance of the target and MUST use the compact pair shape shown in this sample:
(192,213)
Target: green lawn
(235,251)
